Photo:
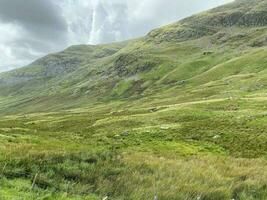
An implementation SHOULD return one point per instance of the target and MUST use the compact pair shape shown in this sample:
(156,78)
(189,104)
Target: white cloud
(104,21)
(22,40)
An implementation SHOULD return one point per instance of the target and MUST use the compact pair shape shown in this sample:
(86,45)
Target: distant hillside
(215,53)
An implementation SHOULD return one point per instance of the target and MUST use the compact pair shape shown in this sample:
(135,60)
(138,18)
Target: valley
(180,113)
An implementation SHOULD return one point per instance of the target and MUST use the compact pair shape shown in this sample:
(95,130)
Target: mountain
(197,52)
(178,114)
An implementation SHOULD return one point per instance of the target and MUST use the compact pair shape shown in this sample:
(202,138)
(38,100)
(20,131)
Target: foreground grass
(210,149)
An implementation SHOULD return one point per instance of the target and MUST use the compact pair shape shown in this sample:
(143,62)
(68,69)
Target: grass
(183,151)
(180,113)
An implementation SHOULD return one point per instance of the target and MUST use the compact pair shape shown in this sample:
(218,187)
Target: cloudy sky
(33,28)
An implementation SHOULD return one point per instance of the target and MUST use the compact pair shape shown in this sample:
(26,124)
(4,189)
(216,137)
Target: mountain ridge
(144,66)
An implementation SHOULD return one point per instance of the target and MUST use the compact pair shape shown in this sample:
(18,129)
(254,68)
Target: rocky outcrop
(132,64)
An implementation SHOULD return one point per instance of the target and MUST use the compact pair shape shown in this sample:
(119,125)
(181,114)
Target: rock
(153,109)
(116,136)
(216,137)
(164,127)
(206,53)
(182,82)
(125,133)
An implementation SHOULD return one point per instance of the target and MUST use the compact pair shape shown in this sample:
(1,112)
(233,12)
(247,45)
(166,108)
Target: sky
(31,29)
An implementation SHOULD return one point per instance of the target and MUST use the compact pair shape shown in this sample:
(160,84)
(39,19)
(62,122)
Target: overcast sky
(30,29)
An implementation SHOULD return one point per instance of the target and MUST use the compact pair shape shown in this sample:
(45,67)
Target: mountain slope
(188,51)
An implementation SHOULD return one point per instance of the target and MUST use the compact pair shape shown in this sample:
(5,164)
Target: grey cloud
(35,13)
(37,28)
(39,19)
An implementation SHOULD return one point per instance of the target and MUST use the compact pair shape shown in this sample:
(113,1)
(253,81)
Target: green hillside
(180,113)
(189,52)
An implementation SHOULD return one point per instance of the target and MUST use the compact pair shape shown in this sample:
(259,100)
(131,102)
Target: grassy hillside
(180,113)
(175,57)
